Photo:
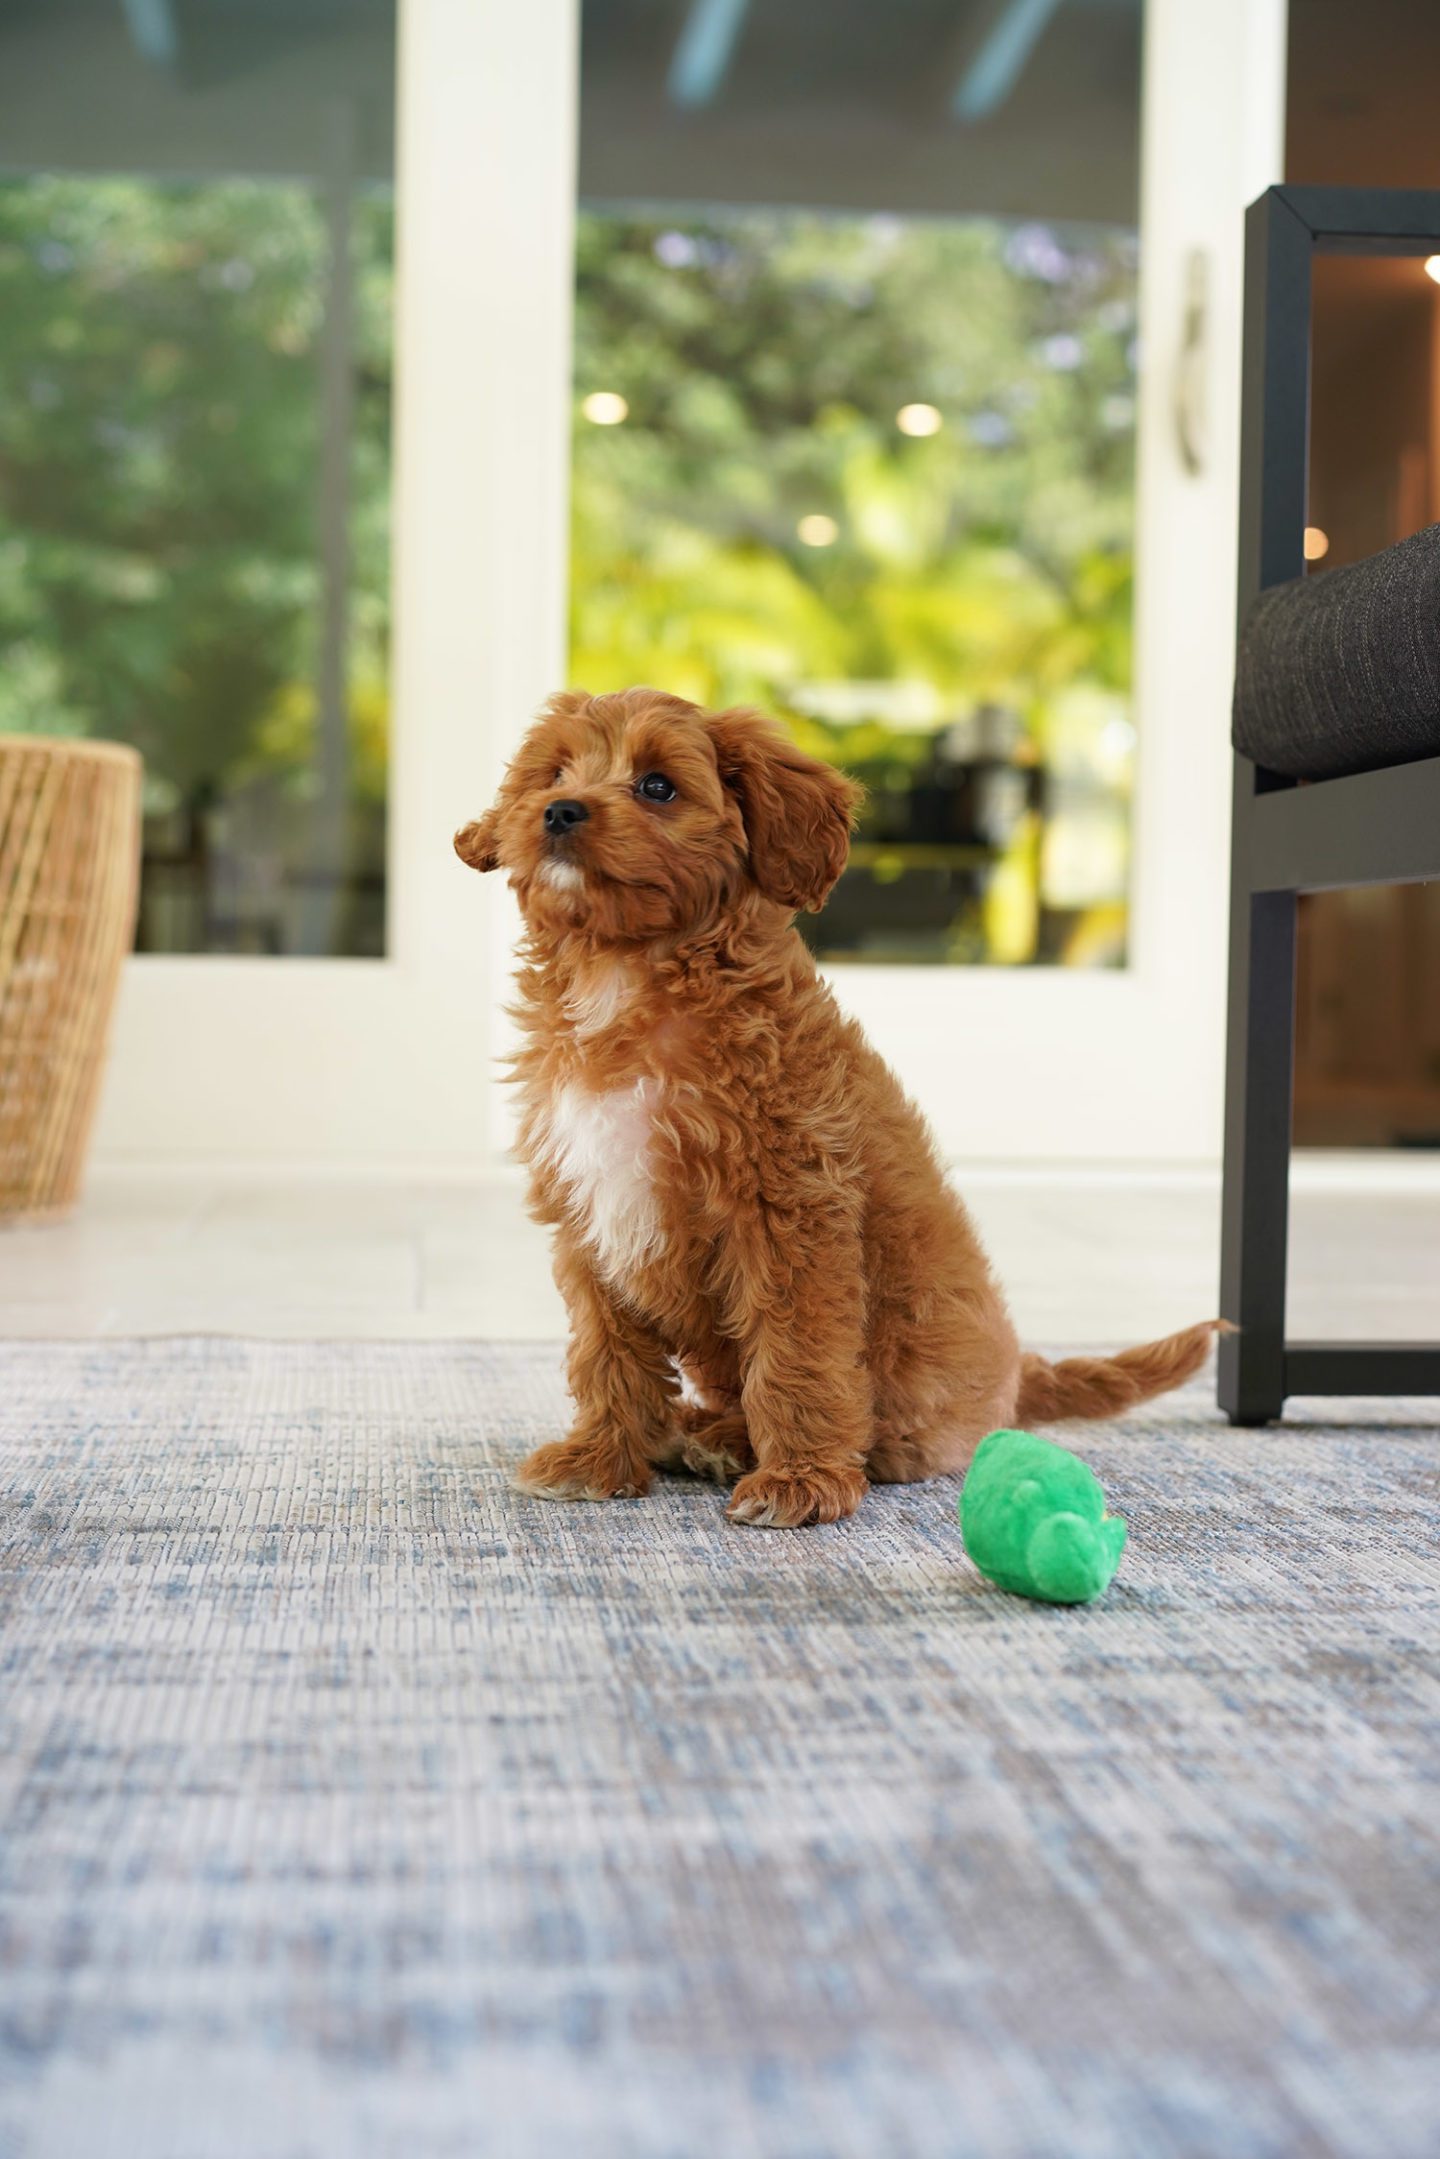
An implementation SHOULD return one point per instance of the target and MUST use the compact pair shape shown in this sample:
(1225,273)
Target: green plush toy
(1033,1518)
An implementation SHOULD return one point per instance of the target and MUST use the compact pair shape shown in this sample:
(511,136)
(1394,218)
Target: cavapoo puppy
(767,1276)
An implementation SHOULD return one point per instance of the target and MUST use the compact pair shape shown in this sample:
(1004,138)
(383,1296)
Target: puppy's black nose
(563,816)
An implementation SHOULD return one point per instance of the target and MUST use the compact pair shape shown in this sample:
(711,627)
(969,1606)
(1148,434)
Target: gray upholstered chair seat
(1340,671)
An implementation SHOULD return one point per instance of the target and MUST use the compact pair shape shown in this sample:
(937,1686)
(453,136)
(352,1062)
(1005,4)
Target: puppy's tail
(1100,1386)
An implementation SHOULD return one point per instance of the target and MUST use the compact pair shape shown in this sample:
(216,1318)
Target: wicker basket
(69,876)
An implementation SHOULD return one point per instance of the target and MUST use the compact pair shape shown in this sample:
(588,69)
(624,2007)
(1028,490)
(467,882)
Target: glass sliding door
(904,405)
(277,505)
(196,272)
(856,314)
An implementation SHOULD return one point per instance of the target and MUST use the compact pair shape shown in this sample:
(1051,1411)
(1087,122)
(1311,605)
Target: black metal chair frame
(1379,827)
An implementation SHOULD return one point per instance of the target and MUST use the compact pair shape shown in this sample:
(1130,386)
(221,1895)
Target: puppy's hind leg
(714,1445)
(934,1450)
(941,1388)
(710,1437)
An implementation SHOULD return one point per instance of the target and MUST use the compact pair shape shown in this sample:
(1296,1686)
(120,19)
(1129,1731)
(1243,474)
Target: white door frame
(308,1061)
(314,1061)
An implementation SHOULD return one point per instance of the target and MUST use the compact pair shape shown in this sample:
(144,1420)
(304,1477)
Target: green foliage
(159,464)
(159,447)
(764,357)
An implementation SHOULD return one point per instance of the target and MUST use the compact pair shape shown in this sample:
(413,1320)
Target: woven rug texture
(354,1806)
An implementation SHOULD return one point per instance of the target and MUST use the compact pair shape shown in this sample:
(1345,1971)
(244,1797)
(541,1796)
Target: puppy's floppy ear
(797,812)
(475,843)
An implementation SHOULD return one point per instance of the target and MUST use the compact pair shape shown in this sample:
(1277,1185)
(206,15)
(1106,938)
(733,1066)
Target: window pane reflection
(854,440)
(196,240)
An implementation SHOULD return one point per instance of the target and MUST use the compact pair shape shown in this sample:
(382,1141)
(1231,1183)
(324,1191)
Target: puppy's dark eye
(655,787)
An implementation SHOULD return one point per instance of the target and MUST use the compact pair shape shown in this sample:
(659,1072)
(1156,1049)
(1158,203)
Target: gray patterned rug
(354,1807)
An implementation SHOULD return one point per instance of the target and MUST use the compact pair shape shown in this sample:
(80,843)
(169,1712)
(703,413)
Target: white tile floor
(1088,1258)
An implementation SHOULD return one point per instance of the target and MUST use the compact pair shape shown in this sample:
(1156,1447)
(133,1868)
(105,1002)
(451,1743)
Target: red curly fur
(767,1275)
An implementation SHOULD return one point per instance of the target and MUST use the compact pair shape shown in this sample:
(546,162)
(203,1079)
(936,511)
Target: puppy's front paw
(789,1498)
(582,1469)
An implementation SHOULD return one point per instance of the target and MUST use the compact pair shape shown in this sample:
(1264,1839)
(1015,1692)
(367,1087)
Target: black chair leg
(1365,828)
(1258,1119)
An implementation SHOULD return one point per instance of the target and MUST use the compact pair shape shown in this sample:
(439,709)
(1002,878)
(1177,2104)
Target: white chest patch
(599,1146)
